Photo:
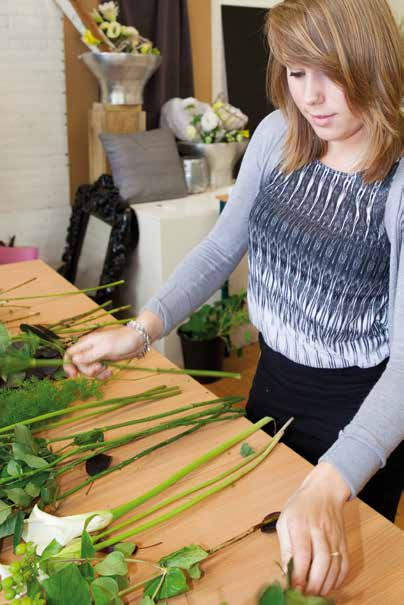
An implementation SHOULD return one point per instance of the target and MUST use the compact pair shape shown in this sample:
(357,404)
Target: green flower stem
(186,470)
(95,316)
(92,327)
(84,406)
(175,497)
(129,461)
(24,283)
(111,427)
(132,588)
(74,318)
(212,373)
(193,501)
(59,294)
(20,318)
(173,392)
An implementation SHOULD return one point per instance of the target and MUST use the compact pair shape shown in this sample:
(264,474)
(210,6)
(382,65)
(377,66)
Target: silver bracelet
(146,337)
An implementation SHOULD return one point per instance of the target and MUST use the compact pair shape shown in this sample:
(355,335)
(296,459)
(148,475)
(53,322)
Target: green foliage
(34,397)
(217,320)
(113,565)
(246,450)
(67,587)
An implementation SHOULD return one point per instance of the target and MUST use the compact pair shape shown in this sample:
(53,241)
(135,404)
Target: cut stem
(58,294)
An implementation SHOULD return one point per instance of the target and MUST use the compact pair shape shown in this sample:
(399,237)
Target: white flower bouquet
(122,38)
(218,122)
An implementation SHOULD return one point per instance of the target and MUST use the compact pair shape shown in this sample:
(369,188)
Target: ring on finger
(335,554)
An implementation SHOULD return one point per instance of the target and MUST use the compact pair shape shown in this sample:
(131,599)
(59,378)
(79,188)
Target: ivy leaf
(185,558)
(5,512)
(293,597)
(18,496)
(67,587)
(246,450)
(273,595)
(105,592)
(147,601)
(113,564)
(87,571)
(174,583)
(14,469)
(7,527)
(22,452)
(19,526)
(32,490)
(127,548)
(195,572)
(87,547)
(51,550)
(23,435)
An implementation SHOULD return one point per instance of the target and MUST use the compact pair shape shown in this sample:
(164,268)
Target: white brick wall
(34,184)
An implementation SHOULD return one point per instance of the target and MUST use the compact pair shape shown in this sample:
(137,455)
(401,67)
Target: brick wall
(34,190)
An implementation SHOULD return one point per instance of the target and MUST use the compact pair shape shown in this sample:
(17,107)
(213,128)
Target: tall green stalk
(61,294)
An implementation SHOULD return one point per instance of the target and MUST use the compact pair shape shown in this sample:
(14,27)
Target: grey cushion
(146,166)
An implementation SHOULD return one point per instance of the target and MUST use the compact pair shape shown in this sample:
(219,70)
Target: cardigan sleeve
(364,445)
(206,267)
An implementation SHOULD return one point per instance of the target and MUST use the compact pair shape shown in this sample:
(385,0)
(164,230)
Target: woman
(318,204)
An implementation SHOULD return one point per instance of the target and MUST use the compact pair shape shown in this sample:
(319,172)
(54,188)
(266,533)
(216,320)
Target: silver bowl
(221,159)
(122,77)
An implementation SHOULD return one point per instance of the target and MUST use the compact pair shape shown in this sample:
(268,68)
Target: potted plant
(206,336)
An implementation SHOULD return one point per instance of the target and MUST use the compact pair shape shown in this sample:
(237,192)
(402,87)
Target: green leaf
(174,583)
(273,595)
(246,450)
(14,469)
(184,558)
(93,436)
(5,512)
(19,526)
(49,492)
(33,589)
(51,550)
(7,527)
(147,601)
(5,338)
(195,572)
(87,548)
(67,587)
(22,452)
(23,435)
(113,564)
(87,571)
(18,496)
(32,490)
(294,597)
(105,592)
(127,548)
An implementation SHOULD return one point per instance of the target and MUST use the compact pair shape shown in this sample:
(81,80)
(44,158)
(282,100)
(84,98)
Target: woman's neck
(347,155)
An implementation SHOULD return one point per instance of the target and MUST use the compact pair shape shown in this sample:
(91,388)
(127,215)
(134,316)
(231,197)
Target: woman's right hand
(120,343)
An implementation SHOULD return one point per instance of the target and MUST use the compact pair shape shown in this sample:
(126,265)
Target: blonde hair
(358,45)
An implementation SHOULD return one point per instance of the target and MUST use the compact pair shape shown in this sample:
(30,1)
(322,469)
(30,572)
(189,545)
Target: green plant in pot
(206,336)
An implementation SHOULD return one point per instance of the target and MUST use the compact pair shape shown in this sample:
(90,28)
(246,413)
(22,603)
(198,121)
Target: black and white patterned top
(319,267)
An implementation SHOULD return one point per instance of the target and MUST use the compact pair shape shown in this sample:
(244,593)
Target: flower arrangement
(123,38)
(219,122)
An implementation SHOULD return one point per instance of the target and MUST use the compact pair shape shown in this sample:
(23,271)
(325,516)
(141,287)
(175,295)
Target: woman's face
(322,102)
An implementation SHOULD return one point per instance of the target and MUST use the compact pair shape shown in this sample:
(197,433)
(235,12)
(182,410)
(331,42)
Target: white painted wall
(34,186)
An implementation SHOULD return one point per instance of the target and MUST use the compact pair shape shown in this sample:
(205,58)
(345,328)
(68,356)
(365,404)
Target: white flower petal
(41,528)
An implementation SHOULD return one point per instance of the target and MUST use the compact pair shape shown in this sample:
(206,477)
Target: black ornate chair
(101,200)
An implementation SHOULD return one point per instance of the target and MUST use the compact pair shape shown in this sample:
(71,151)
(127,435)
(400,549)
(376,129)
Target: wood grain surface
(237,574)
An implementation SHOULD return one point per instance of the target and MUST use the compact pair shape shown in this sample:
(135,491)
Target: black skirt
(322,401)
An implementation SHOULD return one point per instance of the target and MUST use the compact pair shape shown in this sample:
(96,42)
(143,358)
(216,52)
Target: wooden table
(237,574)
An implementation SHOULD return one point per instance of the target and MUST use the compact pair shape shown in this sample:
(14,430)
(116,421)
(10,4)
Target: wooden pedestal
(111,119)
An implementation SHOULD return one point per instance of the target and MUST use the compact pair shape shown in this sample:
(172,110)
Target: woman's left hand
(311,530)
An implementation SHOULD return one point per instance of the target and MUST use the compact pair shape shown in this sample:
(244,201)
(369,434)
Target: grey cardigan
(378,428)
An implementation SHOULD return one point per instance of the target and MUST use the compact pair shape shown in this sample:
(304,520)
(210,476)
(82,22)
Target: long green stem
(69,293)
(84,406)
(74,318)
(111,427)
(113,528)
(92,327)
(24,283)
(169,392)
(20,318)
(95,316)
(186,470)
(192,502)
(129,461)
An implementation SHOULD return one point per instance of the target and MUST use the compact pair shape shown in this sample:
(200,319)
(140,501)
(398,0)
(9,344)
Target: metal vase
(221,159)
(122,77)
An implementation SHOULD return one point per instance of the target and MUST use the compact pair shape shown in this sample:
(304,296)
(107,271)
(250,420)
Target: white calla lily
(109,10)
(41,528)
(4,571)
